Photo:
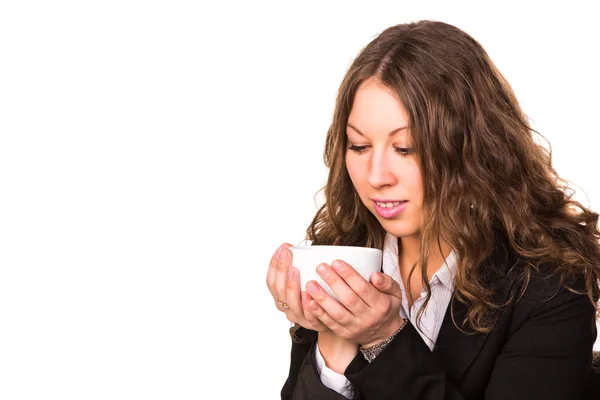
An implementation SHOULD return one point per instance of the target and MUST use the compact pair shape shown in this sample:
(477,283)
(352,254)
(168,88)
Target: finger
(311,318)
(272,271)
(284,261)
(334,309)
(324,318)
(386,284)
(346,295)
(295,313)
(358,285)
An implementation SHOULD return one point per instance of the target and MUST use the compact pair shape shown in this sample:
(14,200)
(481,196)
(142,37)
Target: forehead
(376,108)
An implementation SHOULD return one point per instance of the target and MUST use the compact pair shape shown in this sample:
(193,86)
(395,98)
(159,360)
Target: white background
(153,155)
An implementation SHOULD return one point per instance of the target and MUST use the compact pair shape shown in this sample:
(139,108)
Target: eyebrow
(392,133)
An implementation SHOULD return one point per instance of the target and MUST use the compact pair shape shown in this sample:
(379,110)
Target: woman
(490,276)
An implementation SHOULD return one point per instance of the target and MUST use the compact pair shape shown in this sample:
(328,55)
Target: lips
(390,212)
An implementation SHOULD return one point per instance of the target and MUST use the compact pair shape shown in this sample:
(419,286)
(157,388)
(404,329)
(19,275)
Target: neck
(409,249)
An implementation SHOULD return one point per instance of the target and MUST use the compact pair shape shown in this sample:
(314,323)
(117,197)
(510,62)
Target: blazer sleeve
(547,355)
(303,381)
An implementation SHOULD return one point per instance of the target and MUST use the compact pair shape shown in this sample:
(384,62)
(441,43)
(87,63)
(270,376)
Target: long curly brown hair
(483,173)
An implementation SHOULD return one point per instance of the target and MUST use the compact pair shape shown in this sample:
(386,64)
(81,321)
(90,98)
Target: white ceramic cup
(364,260)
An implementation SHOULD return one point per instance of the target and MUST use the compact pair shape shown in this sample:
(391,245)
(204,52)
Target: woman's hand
(284,284)
(366,314)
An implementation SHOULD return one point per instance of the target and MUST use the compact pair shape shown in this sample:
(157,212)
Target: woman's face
(380,160)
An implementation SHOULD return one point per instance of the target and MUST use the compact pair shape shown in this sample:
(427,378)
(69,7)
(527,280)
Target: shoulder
(511,275)
(544,300)
(525,288)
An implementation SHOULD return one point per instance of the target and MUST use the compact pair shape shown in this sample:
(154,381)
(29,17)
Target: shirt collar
(390,264)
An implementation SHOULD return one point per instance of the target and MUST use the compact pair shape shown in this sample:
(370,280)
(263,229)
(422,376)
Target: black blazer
(540,348)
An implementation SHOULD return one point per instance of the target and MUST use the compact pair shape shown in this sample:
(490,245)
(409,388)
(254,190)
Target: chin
(414,234)
(401,231)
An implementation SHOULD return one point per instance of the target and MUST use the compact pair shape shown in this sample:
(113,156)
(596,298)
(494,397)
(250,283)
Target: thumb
(387,284)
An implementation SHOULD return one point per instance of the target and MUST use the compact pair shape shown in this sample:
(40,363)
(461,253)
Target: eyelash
(403,151)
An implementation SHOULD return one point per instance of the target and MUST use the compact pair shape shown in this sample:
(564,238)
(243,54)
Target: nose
(380,170)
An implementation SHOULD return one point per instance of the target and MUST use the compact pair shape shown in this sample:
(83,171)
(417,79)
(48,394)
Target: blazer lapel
(456,349)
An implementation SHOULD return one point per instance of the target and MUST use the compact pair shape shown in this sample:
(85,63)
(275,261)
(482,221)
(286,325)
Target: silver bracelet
(371,352)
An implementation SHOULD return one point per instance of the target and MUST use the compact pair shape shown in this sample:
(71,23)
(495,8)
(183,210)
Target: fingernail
(323,271)
(313,287)
(338,266)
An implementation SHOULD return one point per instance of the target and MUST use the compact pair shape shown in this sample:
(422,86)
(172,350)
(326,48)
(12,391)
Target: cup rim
(325,247)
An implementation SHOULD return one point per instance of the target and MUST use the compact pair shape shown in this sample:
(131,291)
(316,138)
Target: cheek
(415,181)
(354,179)
(356,174)
(352,172)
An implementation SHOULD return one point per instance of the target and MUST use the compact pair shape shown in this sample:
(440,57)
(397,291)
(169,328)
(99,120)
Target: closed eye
(403,151)
(357,149)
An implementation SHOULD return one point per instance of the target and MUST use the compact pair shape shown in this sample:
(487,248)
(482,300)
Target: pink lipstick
(390,212)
